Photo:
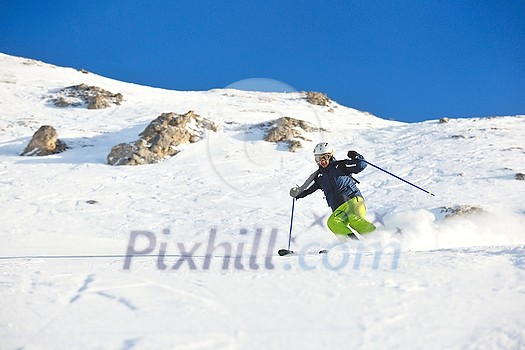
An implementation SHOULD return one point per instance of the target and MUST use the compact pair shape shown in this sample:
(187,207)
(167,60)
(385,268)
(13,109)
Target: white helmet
(323,148)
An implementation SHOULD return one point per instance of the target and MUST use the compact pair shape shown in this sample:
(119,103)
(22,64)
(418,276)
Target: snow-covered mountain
(70,223)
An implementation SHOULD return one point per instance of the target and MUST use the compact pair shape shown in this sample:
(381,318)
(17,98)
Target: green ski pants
(350,214)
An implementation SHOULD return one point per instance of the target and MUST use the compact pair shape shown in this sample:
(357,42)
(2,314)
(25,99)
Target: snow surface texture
(420,281)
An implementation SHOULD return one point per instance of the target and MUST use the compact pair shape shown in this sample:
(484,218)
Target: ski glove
(354,155)
(294,191)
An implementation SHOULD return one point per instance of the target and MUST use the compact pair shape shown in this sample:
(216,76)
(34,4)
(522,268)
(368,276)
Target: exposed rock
(461,210)
(318,98)
(444,120)
(44,142)
(519,176)
(294,145)
(160,139)
(97,102)
(61,102)
(91,96)
(288,130)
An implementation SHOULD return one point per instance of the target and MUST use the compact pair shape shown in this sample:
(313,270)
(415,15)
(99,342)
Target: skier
(340,189)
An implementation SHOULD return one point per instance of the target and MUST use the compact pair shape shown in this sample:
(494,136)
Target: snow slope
(420,281)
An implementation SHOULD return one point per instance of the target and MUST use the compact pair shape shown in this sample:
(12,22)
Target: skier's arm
(308,191)
(296,190)
(297,193)
(308,181)
(356,162)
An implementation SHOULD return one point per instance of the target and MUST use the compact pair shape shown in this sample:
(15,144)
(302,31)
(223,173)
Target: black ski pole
(288,251)
(397,177)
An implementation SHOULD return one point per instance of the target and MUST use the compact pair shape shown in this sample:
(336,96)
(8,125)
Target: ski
(284,252)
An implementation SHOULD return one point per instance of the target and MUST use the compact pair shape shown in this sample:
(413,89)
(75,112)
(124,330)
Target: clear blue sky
(407,60)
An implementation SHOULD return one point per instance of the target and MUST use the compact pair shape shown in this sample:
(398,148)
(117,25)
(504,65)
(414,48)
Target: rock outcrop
(288,130)
(92,97)
(461,210)
(44,142)
(160,139)
(318,98)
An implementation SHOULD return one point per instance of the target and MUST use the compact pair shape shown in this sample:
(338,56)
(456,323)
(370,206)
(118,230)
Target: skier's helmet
(323,148)
(323,154)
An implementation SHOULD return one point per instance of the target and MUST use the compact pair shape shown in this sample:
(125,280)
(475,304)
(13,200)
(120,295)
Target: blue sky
(407,60)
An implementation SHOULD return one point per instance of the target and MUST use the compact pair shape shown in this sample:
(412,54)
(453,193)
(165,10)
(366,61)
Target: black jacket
(336,181)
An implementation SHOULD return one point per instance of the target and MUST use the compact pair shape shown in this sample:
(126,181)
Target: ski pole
(283,252)
(291,223)
(397,177)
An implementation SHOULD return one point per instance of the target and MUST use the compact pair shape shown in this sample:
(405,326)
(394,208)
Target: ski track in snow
(455,283)
(412,301)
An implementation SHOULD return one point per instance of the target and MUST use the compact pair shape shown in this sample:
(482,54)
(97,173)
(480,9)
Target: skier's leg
(357,216)
(338,221)
(350,215)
